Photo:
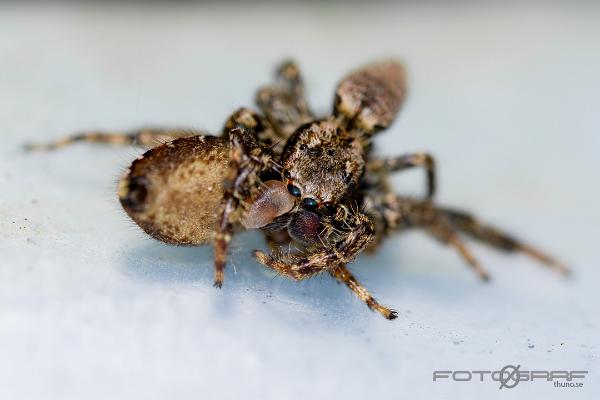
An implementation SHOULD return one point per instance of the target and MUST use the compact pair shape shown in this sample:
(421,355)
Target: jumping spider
(312,182)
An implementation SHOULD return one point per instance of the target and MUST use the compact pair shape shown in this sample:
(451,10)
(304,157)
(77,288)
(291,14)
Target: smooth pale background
(506,98)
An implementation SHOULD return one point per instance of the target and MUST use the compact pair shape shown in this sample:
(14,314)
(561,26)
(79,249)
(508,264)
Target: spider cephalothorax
(323,162)
(314,182)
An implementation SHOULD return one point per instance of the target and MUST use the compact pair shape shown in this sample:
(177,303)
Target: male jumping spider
(313,182)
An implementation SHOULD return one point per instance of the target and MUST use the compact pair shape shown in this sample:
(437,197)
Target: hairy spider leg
(146,137)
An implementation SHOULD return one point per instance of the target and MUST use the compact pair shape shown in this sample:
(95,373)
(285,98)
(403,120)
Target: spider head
(322,163)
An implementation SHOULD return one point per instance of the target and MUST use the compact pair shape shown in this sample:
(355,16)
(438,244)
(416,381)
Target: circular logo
(509,376)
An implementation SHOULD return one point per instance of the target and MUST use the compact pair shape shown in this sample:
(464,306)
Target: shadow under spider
(320,296)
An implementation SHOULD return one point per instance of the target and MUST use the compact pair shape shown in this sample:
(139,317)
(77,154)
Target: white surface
(505,97)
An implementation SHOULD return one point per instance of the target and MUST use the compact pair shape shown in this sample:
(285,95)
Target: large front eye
(294,190)
(310,203)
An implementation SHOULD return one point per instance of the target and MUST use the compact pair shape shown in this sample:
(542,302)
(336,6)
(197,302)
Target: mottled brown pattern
(284,104)
(324,160)
(312,183)
(174,191)
(371,97)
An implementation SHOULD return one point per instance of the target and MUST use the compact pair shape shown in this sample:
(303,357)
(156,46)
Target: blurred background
(504,95)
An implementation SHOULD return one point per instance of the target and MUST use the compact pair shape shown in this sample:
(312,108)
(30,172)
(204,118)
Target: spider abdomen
(174,191)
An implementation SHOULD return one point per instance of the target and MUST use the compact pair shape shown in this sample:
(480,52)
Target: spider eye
(286,174)
(310,203)
(294,190)
(329,207)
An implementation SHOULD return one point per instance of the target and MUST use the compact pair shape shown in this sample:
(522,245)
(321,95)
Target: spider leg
(248,158)
(284,103)
(441,229)
(392,213)
(498,239)
(342,274)
(359,232)
(262,128)
(333,260)
(385,166)
(147,137)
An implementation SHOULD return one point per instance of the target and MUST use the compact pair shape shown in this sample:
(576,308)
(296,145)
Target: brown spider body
(311,181)
(173,192)
(324,160)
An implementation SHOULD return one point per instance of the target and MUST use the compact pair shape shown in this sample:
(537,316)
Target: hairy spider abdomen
(372,95)
(174,191)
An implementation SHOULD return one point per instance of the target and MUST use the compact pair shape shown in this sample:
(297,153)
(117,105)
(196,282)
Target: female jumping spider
(313,182)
